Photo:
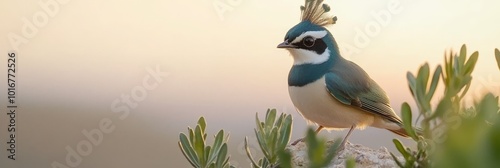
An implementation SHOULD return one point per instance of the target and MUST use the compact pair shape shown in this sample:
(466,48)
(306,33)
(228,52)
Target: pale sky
(222,63)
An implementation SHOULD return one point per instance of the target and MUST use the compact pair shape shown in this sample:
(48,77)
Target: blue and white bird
(327,89)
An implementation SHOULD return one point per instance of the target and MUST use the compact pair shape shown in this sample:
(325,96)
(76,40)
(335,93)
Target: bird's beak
(285,45)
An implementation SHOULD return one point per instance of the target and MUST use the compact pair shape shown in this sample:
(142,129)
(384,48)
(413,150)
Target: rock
(364,156)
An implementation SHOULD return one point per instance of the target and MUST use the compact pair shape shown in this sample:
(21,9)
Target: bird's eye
(308,41)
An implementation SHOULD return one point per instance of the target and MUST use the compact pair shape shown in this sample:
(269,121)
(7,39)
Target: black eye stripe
(319,46)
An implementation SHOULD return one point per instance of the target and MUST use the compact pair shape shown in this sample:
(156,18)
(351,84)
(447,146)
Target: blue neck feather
(301,75)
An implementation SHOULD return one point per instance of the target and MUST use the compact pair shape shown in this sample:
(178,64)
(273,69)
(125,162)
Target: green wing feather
(349,84)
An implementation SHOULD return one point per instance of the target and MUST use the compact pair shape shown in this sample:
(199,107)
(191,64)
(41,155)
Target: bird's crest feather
(315,12)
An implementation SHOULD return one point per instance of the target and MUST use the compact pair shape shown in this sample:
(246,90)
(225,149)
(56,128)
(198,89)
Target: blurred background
(149,69)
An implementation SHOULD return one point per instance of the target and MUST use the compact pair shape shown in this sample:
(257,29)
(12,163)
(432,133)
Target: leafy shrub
(198,153)
(452,135)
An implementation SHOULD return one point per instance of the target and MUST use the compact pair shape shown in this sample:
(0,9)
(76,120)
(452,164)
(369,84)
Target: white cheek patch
(314,34)
(301,56)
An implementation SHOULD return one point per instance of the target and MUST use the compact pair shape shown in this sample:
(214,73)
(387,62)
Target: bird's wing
(350,84)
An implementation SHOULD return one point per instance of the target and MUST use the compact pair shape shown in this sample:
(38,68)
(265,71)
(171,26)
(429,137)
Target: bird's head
(310,42)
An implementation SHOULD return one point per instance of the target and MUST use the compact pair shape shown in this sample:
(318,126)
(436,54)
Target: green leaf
(463,55)
(443,106)
(257,121)
(407,120)
(314,151)
(350,163)
(188,150)
(272,135)
(199,144)
(401,149)
(434,82)
(202,123)
(411,161)
(412,83)
(249,154)
(422,81)
(260,125)
(263,145)
(264,163)
(497,56)
(222,156)
(216,147)
(285,158)
(285,132)
(207,154)
(447,68)
(272,145)
(467,81)
(270,118)
(396,160)
(471,63)
(423,76)
(259,133)
(226,162)
(279,122)
(488,107)
(456,67)
(191,135)
(332,152)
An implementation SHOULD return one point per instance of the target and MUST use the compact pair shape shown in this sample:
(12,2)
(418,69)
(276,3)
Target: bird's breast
(314,102)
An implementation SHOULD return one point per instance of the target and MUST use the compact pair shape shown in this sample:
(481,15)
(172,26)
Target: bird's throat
(303,56)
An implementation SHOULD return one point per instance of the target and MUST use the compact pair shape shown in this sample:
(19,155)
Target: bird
(327,89)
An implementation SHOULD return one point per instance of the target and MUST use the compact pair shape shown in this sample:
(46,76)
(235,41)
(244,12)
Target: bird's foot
(340,148)
(303,139)
(297,141)
(344,141)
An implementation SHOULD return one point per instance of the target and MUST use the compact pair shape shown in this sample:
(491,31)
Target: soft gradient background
(225,68)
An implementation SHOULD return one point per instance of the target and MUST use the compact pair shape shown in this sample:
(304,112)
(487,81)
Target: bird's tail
(402,132)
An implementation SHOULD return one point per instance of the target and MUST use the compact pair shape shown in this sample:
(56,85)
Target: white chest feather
(316,104)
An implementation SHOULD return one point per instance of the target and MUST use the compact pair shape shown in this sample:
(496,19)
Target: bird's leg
(302,139)
(344,141)
(319,129)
